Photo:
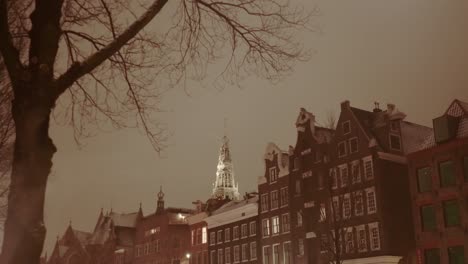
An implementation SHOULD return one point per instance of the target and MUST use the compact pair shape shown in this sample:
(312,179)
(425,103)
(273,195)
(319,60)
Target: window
(155,246)
(335,208)
(275,225)
(213,257)
(456,255)
(274,200)
(253,250)
(358,204)
(253,228)
(227,235)
(447,174)
(227,255)
(342,149)
(273,175)
(428,218)
(287,252)
(212,238)
(266,227)
(284,196)
(361,238)
(323,213)
(285,223)
(264,202)
(395,142)
(220,256)
(344,174)
(368,168)
(451,213)
(465,167)
(245,248)
(353,145)
(371,200)
(299,218)
(244,231)
(300,249)
(432,256)
(298,187)
(297,163)
(267,255)
(374,236)
(333,178)
(346,125)
(236,254)
(220,236)
(146,249)
(204,235)
(276,255)
(349,240)
(199,236)
(346,206)
(355,172)
(193,237)
(320,183)
(424,179)
(235,233)
(323,243)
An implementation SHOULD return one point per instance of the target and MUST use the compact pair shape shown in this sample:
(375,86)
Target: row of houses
(372,189)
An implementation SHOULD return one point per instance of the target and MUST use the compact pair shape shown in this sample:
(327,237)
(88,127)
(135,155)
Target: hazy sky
(411,53)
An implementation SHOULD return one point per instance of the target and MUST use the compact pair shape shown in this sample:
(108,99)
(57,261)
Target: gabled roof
(414,136)
(82,236)
(365,120)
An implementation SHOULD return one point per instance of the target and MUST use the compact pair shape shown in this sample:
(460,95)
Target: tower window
(273,175)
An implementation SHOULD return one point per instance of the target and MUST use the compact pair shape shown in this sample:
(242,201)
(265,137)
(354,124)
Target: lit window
(285,223)
(274,200)
(204,235)
(275,225)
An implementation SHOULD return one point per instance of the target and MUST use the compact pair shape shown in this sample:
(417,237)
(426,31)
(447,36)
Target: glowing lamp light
(188,255)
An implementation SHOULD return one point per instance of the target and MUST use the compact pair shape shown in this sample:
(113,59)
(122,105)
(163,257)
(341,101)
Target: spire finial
(225,127)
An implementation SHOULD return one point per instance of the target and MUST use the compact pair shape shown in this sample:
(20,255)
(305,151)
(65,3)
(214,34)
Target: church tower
(224,185)
(160,205)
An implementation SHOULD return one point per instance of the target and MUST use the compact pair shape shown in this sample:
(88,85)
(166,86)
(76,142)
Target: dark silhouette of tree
(87,62)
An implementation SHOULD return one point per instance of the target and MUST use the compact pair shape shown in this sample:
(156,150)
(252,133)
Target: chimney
(345,104)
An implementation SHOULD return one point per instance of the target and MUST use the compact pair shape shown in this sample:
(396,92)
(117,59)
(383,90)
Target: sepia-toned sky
(411,53)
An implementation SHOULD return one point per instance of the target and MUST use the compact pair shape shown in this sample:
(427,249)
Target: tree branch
(77,70)
(7,49)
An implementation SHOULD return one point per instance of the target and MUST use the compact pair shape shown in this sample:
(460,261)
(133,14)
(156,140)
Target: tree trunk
(32,161)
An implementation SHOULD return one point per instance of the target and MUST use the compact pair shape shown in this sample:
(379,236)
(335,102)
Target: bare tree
(6,140)
(85,60)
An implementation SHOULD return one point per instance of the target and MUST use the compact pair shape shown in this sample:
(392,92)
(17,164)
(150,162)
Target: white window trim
(250,247)
(287,197)
(263,252)
(390,141)
(333,173)
(347,231)
(358,228)
(335,211)
(341,168)
(228,237)
(263,208)
(372,226)
(246,252)
(289,223)
(233,232)
(246,230)
(215,255)
(250,228)
(267,220)
(212,238)
(227,255)
(273,225)
(367,191)
(347,197)
(290,250)
(219,241)
(273,252)
(234,254)
(277,201)
(357,145)
(355,163)
(364,160)
(355,194)
(273,172)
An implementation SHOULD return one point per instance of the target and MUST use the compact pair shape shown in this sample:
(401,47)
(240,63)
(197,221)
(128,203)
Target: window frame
(350,145)
(345,151)
(346,124)
(444,183)
(424,178)
(390,141)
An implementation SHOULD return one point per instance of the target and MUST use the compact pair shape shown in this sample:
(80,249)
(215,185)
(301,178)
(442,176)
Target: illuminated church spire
(224,185)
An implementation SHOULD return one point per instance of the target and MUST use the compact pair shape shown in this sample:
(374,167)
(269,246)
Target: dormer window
(273,175)
(346,127)
(395,142)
